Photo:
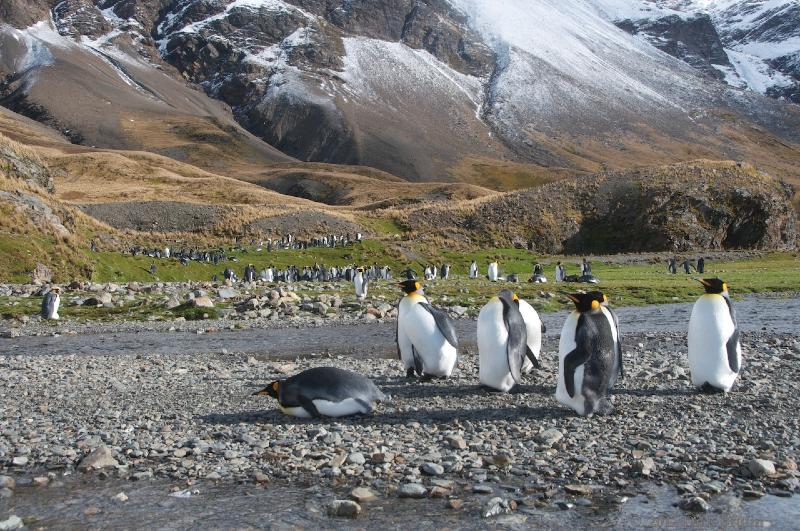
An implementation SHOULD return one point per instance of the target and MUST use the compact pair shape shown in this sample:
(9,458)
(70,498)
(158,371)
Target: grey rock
(12,522)
(759,468)
(412,490)
(344,508)
(100,458)
(695,504)
(549,437)
(432,469)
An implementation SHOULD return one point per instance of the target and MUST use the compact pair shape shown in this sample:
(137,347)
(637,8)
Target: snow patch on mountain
(383,73)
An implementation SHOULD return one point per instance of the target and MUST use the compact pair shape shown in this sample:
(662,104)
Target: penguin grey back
(48,304)
(517,334)
(328,383)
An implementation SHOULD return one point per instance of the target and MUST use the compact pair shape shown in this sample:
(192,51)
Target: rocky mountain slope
(753,44)
(698,205)
(418,88)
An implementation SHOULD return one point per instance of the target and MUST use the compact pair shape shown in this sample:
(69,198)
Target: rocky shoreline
(190,419)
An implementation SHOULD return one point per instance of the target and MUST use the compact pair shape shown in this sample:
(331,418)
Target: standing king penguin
(535,329)
(50,304)
(715,354)
(502,342)
(325,391)
(493,273)
(361,283)
(590,355)
(426,339)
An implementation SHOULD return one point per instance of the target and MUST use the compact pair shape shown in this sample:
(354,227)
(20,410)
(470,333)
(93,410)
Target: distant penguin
(473,269)
(715,353)
(535,329)
(50,304)
(494,272)
(361,283)
(590,355)
(426,339)
(325,391)
(502,342)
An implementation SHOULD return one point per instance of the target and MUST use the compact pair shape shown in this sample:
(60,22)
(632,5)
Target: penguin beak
(573,298)
(702,281)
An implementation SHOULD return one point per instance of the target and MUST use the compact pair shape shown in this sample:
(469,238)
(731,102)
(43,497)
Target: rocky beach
(144,410)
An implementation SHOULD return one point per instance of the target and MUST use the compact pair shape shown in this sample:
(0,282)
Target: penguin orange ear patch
(275,386)
(595,305)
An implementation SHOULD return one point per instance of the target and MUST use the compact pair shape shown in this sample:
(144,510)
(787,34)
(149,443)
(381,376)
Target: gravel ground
(190,417)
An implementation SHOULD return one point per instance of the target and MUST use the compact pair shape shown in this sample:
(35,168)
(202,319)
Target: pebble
(432,469)
(412,490)
(362,495)
(344,508)
(760,467)
(694,504)
(100,457)
(12,522)
(7,482)
(549,437)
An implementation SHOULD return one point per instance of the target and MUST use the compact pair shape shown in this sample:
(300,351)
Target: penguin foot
(708,389)
(411,373)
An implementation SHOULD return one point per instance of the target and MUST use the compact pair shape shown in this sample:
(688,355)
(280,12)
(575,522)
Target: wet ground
(374,340)
(90,503)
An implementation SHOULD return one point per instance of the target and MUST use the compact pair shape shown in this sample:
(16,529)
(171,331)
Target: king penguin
(50,304)
(502,342)
(361,283)
(426,339)
(715,354)
(493,274)
(535,329)
(325,391)
(590,355)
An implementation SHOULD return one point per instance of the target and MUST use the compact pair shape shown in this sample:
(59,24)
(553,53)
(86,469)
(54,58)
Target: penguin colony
(509,346)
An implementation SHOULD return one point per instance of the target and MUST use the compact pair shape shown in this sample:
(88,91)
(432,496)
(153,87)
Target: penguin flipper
(534,359)
(417,360)
(732,347)
(397,339)
(443,323)
(572,361)
(619,345)
(517,340)
(308,404)
(544,329)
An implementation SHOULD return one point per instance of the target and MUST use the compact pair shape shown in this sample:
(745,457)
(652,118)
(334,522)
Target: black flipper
(733,358)
(397,338)
(544,328)
(733,341)
(619,345)
(443,323)
(308,404)
(417,360)
(531,357)
(517,339)
(572,361)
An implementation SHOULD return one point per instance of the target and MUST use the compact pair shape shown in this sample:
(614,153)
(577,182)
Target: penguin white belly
(566,345)
(493,348)
(710,327)
(418,325)
(493,273)
(346,407)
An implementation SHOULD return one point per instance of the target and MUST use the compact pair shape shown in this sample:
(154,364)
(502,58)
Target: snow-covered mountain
(418,87)
(753,44)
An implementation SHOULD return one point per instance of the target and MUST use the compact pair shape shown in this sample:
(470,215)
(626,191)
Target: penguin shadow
(654,392)
(400,388)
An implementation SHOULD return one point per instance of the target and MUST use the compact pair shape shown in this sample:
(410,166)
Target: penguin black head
(714,286)
(410,286)
(599,296)
(410,274)
(270,390)
(588,302)
(509,296)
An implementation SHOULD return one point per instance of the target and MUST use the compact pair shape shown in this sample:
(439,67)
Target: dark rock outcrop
(701,205)
(156,216)
(693,40)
